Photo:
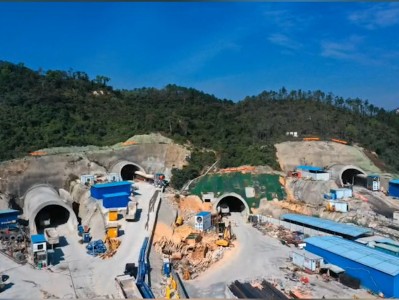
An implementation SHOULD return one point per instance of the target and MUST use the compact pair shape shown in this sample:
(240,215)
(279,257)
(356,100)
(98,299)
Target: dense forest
(61,108)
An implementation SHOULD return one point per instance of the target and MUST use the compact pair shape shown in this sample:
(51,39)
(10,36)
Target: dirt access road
(254,256)
(257,256)
(76,274)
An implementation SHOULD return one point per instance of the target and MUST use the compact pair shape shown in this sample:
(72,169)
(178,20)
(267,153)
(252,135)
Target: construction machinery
(131,211)
(179,221)
(84,232)
(227,237)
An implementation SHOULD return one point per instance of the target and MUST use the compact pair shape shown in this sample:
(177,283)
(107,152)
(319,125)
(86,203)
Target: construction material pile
(193,255)
(112,245)
(286,236)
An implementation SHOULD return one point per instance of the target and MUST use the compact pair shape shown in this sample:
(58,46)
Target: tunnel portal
(51,216)
(128,172)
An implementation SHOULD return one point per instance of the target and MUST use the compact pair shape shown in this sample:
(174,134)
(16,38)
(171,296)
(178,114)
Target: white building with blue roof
(376,270)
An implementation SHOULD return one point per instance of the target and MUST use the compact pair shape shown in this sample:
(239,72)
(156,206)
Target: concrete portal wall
(38,197)
(337,170)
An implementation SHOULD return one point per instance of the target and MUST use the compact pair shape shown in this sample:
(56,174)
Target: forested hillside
(58,108)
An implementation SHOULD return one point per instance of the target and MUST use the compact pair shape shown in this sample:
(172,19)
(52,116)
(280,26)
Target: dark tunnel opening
(234,204)
(128,172)
(51,216)
(349,176)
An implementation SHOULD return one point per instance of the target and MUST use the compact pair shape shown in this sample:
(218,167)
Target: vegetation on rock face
(57,108)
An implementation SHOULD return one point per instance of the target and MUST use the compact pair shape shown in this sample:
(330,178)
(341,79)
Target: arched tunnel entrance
(126,169)
(128,172)
(349,176)
(44,207)
(234,202)
(51,216)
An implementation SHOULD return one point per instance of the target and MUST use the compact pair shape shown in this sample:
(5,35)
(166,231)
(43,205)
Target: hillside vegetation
(58,108)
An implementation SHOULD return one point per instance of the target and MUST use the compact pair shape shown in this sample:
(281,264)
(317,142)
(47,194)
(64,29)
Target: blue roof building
(328,226)
(38,238)
(393,188)
(376,270)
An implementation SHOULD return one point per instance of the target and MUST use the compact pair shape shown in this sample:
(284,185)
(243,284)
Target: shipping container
(97,191)
(338,206)
(373,182)
(116,200)
(8,218)
(306,260)
(341,193)
(393,189)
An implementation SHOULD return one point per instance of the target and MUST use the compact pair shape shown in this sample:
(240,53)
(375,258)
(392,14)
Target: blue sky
(229,49)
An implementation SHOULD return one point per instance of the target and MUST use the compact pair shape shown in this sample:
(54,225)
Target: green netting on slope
(265,185)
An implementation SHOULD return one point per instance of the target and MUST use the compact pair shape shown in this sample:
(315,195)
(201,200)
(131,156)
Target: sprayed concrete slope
(320,153)
(60,168)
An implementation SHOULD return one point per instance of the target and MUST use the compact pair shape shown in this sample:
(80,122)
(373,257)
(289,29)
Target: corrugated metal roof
(8,211)
(333,268)
(121,194)
(365,255)
(307,254)
(388,241)
(109,184)
(387,247)
(309,168)
(340,228)
(395,181)
(38,238)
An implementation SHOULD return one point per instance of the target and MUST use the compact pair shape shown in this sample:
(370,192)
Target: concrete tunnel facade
(229,198)
(345,174)
(126,169)
(43,201)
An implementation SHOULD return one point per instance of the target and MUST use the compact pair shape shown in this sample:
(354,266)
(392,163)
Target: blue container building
(393,189)
(97,191)
(8,218)
(116,200)
(377,271)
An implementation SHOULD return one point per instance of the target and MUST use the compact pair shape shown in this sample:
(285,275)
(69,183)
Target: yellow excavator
(225,241)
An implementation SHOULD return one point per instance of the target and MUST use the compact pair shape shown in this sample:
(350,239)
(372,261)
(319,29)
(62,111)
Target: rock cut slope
(322,153)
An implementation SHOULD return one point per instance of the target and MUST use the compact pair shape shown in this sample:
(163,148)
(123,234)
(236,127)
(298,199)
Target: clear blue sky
(228,49)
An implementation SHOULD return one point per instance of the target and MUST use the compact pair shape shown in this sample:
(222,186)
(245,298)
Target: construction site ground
(77,274)
(255,257)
